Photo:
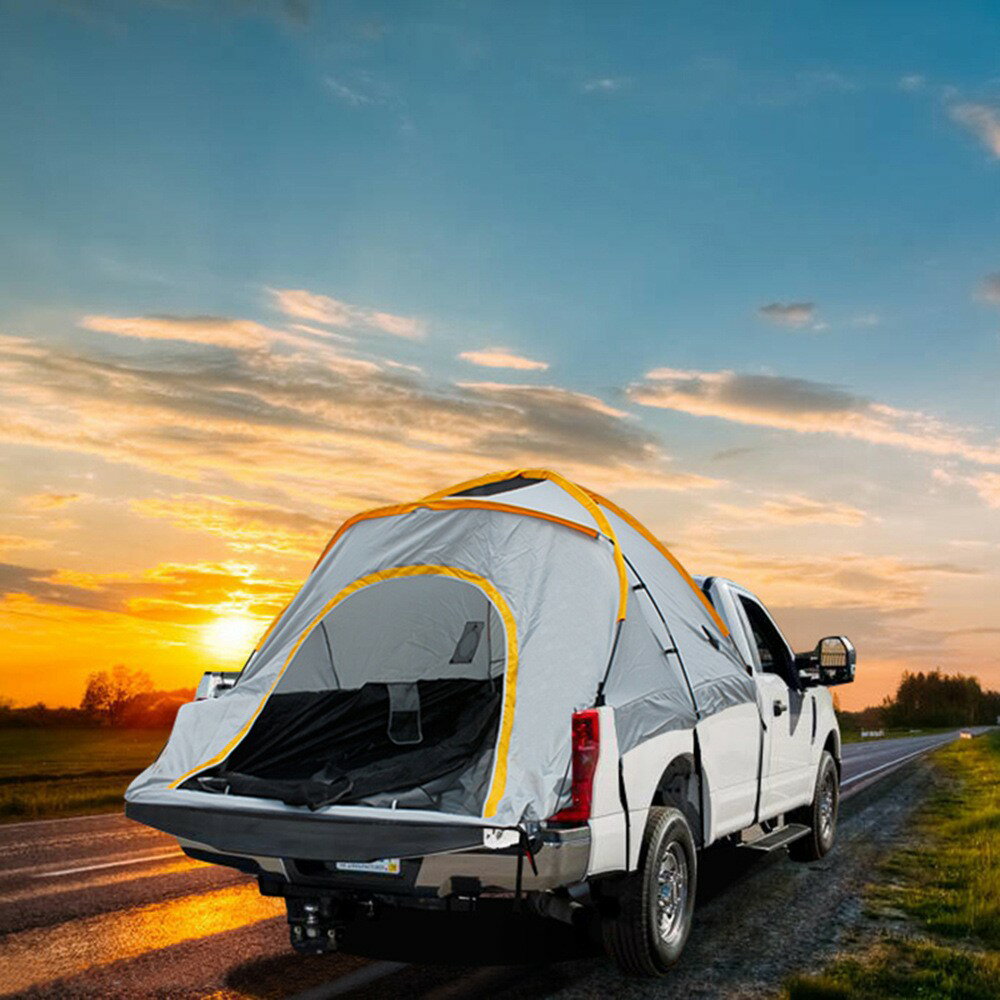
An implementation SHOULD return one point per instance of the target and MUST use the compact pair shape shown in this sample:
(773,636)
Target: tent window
(465,649)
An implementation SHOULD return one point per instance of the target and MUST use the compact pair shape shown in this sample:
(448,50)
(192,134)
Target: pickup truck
(782,762)
(509,699)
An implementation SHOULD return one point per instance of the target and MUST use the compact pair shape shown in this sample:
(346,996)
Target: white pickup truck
(506,698)
(781,762)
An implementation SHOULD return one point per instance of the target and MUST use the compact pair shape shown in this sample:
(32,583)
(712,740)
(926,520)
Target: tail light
(586,749)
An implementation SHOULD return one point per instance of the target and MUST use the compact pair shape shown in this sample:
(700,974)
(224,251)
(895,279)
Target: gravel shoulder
(761,919)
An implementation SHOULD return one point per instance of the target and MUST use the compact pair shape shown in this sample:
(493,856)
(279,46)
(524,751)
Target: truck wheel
(820,815)
(647,934)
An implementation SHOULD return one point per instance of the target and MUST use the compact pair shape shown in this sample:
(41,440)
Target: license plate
(384,866)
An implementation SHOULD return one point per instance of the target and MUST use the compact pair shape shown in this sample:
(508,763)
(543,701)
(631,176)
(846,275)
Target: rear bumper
(440,859)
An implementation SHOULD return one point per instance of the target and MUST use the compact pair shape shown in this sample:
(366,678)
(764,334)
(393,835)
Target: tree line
(119,697)
(926,700)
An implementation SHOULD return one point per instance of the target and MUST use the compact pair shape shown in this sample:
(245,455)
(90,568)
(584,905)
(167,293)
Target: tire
(820,815)
(648,931)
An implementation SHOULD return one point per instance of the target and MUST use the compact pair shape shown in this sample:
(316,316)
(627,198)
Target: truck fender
(642,770)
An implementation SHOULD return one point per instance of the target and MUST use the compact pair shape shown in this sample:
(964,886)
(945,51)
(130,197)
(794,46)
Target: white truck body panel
(642,768)
(756,762)
(730,743)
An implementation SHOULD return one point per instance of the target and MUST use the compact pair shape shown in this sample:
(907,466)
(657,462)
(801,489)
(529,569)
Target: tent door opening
(393,698)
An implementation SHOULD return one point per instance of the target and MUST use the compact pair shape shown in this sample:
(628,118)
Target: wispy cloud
(47,500)
(866,319)
(989,289)
(795,314)
(218,331)
(986,484)
(849,580)
(243,525)
(605,84)
(791,509)
(180,594)
(302,304)
(983,120)
(807,408)
(303,420)
(501,357)
(9,542)
(353,96)
(911,82)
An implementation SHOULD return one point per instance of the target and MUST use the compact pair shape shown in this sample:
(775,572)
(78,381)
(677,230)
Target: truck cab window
(775,656)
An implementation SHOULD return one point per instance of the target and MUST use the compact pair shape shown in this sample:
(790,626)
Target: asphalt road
(100,906)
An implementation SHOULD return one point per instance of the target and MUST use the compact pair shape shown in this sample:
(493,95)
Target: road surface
(100,906)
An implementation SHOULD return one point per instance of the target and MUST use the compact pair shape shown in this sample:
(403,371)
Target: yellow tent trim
(499,780)
(459,503)
(576,492)
(665,552)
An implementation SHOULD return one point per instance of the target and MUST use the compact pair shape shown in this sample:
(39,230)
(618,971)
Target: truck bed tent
(436,653)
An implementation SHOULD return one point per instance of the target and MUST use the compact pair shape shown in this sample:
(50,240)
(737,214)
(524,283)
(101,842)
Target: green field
(936,902)
(47,772)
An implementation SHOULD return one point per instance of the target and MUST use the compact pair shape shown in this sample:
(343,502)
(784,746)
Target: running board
(781,837)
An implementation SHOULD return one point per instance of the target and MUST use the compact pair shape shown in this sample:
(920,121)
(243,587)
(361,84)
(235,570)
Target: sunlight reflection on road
(39,956)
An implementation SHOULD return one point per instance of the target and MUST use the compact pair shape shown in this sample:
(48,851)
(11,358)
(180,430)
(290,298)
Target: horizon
(276,263)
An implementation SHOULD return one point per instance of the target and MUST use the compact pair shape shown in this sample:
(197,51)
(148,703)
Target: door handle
(779,706)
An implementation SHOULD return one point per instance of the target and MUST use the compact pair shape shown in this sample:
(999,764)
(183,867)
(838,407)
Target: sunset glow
(231,637)
(734,273)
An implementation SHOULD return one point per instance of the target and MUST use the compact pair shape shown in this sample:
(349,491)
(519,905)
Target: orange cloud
(501,357)
(47,500)
(311,422)
(217,331)
(986,484)
(244,526)
(852,580)
(791,509)
(302,304)
(11,542)
(180,593)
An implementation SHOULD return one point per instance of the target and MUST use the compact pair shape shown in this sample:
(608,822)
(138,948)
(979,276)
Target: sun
(231,637)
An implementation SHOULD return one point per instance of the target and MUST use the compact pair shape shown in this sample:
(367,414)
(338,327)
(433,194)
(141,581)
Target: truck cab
(797,722)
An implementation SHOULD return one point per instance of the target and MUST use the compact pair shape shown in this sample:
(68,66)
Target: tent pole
(670,635)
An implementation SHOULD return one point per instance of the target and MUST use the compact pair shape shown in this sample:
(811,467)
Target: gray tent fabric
(511,591)
(645,686)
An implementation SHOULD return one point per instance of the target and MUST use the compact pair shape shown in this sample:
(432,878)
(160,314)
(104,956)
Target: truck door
(788,710)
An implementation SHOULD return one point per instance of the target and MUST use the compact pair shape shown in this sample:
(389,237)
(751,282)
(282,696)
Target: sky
(267,264)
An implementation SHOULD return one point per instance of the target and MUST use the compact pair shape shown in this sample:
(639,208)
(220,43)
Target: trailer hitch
(312,926)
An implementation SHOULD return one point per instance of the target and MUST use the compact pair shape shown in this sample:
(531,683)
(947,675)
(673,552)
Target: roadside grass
(898,969)
(50,772)
(938,897)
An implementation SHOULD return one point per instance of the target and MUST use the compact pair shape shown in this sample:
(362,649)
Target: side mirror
(831,662)
(214,683)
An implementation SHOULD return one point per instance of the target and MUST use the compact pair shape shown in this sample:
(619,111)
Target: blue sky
(787,213)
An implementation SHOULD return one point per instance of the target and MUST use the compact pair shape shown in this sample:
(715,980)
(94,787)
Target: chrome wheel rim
(827,805)
(671,893)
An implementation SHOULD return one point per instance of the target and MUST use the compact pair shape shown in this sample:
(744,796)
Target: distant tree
(110,692)
(937,699)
